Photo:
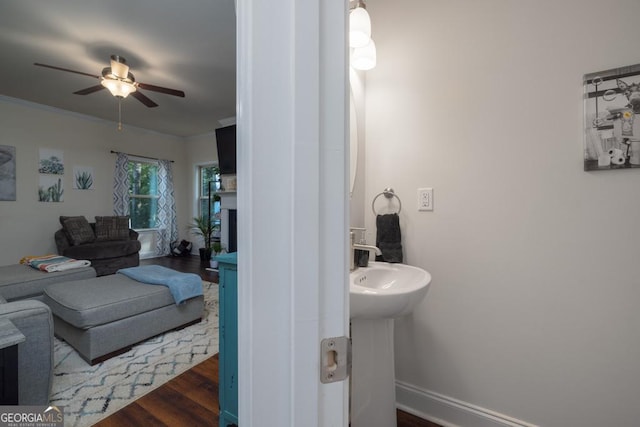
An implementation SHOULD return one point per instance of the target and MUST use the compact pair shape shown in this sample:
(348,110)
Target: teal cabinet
(228,347)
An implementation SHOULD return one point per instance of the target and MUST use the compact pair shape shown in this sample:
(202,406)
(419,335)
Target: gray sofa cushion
(103,249)
(19,281)
(93,302)
(77,229)
(35,355)
(112,228)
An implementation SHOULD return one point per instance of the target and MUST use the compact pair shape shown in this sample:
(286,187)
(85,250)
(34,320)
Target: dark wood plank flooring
(191,399)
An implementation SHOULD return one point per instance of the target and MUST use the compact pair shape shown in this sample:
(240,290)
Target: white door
(292,209)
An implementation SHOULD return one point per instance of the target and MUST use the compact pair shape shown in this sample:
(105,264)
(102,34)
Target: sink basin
(378,294)
(385,290)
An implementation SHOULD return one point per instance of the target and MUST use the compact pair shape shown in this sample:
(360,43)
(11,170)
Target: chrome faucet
(361,246)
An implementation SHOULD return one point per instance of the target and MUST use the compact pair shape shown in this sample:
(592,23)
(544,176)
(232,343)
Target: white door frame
(292,208)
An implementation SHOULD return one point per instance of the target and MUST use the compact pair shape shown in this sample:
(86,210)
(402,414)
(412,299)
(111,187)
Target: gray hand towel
(388,238)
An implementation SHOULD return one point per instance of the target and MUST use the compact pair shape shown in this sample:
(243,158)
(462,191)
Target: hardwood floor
(191,399)
(189,264)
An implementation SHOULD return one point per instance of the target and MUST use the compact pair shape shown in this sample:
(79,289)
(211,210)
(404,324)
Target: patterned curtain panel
(167,225)
(121,186)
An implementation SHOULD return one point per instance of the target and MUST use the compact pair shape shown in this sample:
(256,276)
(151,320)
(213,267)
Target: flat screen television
(226,144)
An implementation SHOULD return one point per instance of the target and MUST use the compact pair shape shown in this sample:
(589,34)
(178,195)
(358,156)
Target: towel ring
(388,193)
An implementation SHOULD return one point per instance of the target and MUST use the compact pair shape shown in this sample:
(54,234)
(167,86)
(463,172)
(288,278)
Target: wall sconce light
(364,58)
(359,25)
(363,53)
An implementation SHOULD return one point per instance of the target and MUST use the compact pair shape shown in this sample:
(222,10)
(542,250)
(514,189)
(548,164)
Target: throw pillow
(77,229)
(64,218)
(112,227)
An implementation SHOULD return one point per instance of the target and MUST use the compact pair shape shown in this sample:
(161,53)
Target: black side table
(10,337)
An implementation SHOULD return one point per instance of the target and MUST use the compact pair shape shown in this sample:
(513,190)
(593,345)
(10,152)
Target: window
(209,174)
(143,194)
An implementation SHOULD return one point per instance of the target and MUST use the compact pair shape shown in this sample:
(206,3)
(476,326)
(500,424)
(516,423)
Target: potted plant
(205,227)
(217,249)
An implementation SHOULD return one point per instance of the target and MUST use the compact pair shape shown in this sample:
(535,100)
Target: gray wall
(201,150)
(26,225)
(533,310)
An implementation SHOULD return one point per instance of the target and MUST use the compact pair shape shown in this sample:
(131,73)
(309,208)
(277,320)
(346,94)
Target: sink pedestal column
(373,388)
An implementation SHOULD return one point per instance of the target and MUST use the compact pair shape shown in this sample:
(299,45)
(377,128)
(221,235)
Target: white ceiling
(187,45)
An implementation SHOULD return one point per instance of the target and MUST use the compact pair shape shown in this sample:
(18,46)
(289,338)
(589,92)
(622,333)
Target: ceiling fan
(119,81)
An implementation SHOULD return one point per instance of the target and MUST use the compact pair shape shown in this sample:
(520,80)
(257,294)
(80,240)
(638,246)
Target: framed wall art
(50,189)
(612,130)
(83,177)
(51,161)
(7,173)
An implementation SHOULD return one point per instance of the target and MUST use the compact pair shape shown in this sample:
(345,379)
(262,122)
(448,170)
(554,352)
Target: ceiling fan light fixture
(119,81)
(118,88)
(119,66)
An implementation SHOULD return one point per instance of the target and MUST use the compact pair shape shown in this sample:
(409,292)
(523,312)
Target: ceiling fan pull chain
(119,113)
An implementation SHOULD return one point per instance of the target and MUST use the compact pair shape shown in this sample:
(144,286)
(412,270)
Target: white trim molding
(81,116)
(450,412)
(292,256)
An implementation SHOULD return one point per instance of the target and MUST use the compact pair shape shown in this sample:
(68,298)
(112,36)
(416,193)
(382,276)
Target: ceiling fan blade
(160,89)
(143,98)
(89,90)
(65,69)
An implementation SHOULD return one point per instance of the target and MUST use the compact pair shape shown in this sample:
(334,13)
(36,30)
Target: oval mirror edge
(353,142)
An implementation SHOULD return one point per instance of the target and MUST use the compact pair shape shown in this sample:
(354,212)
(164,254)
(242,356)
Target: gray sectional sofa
(104,316)
(19,281)
(35,355)
(21,289)
(98,316)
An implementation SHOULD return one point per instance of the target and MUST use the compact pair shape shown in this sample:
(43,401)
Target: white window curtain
(167,224)
(121,186)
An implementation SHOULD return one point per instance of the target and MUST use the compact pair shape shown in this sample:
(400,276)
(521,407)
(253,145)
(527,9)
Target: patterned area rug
(91,393)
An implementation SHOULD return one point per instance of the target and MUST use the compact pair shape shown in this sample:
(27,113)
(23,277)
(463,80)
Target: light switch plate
(425,199)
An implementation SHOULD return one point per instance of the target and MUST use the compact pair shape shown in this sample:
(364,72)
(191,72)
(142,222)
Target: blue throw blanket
(182,285)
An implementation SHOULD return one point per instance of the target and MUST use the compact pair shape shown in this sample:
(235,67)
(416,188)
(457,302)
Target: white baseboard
(449,412)
(147,255)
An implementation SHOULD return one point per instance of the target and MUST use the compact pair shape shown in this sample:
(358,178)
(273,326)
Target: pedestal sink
(378,293)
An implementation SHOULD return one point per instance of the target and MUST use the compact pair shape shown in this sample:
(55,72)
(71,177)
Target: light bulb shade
(364,58)
(118,87)
(119,67)
(359,27)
